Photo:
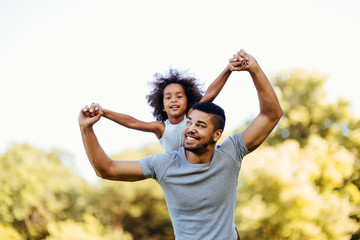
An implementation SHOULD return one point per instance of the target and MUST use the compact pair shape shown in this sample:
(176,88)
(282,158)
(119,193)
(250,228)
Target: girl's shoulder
(159,128)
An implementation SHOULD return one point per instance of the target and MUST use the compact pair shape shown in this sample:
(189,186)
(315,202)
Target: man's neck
(200,158)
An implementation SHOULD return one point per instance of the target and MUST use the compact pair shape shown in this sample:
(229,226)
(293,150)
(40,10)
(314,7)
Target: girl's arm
(157,128)
(216,86)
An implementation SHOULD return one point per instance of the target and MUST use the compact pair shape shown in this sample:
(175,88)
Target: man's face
(199,132)
(175,101)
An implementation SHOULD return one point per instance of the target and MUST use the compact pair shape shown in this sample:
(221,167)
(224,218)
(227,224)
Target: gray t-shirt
(201,198)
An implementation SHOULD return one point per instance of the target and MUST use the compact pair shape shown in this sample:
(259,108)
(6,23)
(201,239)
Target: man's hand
(88,116)
(241,61)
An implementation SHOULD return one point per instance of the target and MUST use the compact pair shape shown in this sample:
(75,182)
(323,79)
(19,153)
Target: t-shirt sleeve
(154,166)
(235,144)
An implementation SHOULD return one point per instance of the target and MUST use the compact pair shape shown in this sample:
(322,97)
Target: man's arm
(157,128)
(103,165)
(270,109)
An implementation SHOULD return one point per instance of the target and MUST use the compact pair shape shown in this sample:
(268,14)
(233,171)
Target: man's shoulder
(234,142)
(237,136)
(168,157)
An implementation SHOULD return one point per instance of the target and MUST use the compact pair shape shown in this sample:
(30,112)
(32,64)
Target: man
(200,179)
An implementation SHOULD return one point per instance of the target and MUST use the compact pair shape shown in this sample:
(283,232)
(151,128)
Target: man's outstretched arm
(103,165)
(270,109)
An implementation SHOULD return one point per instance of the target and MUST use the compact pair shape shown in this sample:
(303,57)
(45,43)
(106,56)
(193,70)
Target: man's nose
(190,128)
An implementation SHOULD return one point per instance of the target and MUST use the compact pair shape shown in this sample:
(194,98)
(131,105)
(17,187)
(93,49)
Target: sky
(58,56)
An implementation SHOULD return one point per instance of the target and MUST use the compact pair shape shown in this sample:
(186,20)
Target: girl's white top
(173,136)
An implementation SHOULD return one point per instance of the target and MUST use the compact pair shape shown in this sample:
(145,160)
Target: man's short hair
(216,112)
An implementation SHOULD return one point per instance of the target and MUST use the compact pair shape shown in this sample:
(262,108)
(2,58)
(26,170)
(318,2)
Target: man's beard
(193,149)
(198,149)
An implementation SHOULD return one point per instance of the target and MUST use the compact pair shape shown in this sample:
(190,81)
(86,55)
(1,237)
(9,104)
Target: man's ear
(217,135)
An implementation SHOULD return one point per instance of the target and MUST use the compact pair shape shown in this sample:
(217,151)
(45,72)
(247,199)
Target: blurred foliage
(303,183)
(42,199)
(37,188)
(307,111)
(289,192)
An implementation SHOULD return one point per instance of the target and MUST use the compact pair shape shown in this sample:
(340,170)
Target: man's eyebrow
(198,121)
(202,122)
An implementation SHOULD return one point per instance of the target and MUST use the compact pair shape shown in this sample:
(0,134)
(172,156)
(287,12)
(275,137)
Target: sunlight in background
(55,57)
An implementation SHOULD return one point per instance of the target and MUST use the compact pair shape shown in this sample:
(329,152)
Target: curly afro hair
(190,84)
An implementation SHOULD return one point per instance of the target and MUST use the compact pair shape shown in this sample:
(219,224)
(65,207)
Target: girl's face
(175,101)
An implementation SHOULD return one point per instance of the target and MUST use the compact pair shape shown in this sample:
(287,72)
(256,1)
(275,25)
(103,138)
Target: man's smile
(191,137)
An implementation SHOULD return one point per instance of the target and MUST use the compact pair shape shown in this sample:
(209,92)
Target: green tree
(41,198)
(307,112)
(290,192)
(9,233)
(90,228)
(37,188)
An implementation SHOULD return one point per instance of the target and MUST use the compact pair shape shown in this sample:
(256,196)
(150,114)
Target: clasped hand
(88,116)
